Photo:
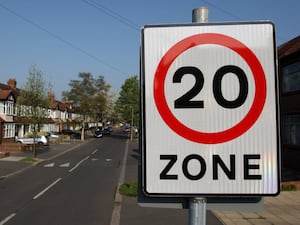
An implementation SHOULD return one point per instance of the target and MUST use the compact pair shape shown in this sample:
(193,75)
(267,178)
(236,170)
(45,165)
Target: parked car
(106,131)
(39,139)
(126,129)
(67,132)
(53,134)
(71,133)
(98,133)
(110,128)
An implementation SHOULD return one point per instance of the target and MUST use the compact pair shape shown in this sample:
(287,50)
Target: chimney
(51,97)
(12,83)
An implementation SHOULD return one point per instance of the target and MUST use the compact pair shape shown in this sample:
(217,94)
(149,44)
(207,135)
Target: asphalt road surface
(78,188)
(75,188)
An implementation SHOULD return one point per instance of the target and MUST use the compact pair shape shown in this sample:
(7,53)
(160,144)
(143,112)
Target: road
(79,186)
(73,189)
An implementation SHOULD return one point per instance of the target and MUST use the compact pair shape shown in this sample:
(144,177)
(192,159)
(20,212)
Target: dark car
(71,133)
(106,131)
(110,128)
(98,133)
(126,129)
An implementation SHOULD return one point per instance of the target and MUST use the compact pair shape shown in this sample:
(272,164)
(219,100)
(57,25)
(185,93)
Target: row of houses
(60,114)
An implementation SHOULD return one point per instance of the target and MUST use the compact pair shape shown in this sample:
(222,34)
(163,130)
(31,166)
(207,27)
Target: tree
(128,102)
(33,101)
(89,96)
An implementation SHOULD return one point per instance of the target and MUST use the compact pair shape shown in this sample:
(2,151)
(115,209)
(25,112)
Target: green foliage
(289,187)
(127,104)
(129,189)
(89,96)
(33,101)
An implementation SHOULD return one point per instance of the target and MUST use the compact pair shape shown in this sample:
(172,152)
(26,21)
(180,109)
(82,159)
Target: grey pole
(197,211)
(197,205)
(200,15)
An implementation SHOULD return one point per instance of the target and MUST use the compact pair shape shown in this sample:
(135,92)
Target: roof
(5,89)
(4,94)
(289,48)
(61,106)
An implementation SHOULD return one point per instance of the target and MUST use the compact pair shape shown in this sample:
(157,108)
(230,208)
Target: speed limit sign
(209,109)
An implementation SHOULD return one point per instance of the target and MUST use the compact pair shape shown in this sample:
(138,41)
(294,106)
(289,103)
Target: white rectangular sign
(209,109)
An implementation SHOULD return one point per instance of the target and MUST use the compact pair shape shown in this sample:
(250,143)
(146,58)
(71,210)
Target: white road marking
(95,151)
(49,165)
(47,188)
(7,218)
(81,161)
(65,165)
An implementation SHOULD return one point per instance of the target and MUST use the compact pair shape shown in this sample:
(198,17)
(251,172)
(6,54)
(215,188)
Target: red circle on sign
(210,137)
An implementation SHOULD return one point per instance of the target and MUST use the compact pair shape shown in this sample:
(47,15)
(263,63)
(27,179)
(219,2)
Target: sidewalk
(281,210)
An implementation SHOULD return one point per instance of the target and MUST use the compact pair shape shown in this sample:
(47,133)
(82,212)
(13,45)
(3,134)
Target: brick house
(8,97)
(289,83)
(60,114)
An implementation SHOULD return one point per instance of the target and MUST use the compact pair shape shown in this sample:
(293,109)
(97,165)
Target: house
(63,115)
(289,85)
(60,114)
(8,97)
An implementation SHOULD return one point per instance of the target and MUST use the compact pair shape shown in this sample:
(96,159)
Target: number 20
(185,100)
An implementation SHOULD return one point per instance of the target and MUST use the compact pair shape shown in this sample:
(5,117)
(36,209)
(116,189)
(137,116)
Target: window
(9,108)
(1,108)
(291,78)
(9,130)
(291,129)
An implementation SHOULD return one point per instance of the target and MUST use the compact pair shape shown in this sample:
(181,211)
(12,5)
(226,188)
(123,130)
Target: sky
(63,38)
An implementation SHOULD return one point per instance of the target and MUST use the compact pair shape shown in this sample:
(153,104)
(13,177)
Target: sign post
(197,206)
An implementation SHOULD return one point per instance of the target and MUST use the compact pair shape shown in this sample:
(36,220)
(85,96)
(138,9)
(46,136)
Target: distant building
(12,125)
(289,83)
(8,96)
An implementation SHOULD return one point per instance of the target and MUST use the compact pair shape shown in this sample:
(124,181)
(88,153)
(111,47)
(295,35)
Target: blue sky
(65,37)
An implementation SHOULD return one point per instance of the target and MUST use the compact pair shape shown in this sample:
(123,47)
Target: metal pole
(197,206)
(197,211)
(200,15)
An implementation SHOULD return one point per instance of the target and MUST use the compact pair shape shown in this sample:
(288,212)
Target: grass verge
(129,189)
(29,159)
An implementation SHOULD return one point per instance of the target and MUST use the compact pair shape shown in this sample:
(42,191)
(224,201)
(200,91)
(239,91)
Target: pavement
(283,209)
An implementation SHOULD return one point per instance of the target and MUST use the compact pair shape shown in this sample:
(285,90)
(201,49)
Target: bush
(44,133)
(129,189)
(289,187)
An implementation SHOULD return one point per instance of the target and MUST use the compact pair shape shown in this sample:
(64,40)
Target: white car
(39,139)
(53,134)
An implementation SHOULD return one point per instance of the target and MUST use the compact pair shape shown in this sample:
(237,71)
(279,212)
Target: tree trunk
(34,149)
